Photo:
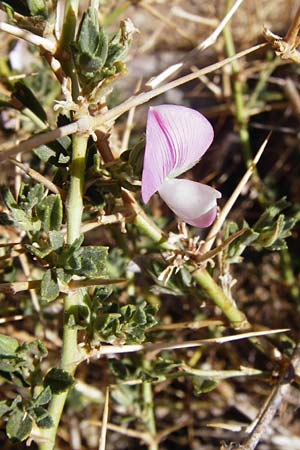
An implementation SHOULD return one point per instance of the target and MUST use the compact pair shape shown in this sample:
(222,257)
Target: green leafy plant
(108,290)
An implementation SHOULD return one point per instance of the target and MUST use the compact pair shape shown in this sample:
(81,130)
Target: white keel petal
(195,203)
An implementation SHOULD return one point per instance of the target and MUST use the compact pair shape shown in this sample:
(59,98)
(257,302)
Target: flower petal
(176,138)
(193,202)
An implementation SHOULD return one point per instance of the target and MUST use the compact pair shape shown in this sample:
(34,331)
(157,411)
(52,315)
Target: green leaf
(91,48)
(9,405)
(38,251)
(35,348)
(266,219)
(203,386)
(38,8)
(124,395)
(42,417)
(20,6)
(8,198)
(77,316)
(4,407)
(34,195)
(92,259)
(27,98)
(49,286)
(237,247)
(50,212)
(107,326)
(19,425)
(9,363)
(44,397)
(24,222)
(21,213)
(268,237)
(56,239)
(8,345)
(124,324)
(44,152)
(59,380)
(62,276)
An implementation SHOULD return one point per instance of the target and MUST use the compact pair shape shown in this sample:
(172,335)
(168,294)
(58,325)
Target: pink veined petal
(176,138)
(195,203)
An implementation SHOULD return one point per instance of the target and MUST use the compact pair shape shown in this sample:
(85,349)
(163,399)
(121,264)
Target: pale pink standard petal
(176,138)
(195,203)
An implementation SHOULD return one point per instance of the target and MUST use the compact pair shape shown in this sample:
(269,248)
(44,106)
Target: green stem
(64,52)
(149,416)
(228,307)
(236,317)
(289,276)
(75,200)
(70,352)
(240,111)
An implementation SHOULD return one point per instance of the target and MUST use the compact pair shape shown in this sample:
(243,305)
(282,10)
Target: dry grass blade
(172,70)
(36,141)
(213,37)
(102,441)
(116,349)
(234,196)
(12,318)
(32,38)
(144,437)
(39,178)
(145,97)
(180,12)
(193,325)
(165,20)
(19,286)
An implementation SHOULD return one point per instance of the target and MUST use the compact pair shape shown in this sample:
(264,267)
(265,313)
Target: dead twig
(286,47)
(279,393)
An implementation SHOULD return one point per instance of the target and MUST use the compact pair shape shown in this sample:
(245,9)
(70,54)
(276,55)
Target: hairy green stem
(70,353)
(228,307)
(236,317)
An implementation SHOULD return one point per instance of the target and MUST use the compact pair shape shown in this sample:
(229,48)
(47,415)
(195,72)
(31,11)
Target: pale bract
(176,138)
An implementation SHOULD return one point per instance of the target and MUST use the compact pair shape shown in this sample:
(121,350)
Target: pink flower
(176,138)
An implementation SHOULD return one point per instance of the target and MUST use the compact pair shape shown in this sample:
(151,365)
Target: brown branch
(292,34)
(279,393)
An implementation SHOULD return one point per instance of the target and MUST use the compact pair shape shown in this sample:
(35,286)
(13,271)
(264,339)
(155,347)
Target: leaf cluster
(20,366)
(270,231)
(97,56)
(28,14)
(119,324)
(40,216)
(33,211)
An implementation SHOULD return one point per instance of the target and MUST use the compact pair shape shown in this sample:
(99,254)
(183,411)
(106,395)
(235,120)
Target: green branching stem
(230,310)
(70,353)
